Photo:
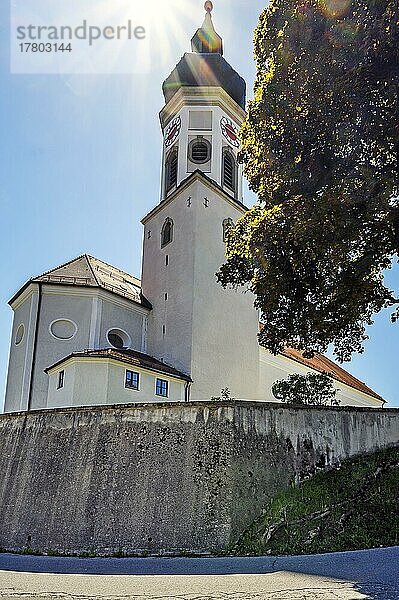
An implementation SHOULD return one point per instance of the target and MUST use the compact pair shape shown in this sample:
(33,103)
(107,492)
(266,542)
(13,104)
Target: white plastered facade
(92,311)
(103,381)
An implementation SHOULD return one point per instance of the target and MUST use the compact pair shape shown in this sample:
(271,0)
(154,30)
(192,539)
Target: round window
(200,151)
(118,339)
(19,336)
(63,329)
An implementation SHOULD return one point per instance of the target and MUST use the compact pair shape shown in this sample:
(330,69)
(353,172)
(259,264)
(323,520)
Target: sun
(163,20)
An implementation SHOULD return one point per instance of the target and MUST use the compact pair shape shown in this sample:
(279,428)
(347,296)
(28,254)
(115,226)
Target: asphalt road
(370,574)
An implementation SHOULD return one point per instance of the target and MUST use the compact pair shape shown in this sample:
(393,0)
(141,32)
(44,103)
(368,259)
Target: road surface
(370,574)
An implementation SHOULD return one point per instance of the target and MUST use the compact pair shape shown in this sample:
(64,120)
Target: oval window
(63,329)
(118,339)
(19,336)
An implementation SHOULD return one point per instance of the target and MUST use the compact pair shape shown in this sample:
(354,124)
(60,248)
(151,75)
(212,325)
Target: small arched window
(229,171)
(171,170)
(167,233)
(227,225)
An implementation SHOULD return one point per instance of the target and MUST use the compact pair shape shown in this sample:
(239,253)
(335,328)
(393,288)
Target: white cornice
(201,96)
(32,288)
(94,292)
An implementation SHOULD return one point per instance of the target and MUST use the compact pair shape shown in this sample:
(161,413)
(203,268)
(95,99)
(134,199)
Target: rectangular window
(162,388)
(200,120)
(61,380)
(132,380)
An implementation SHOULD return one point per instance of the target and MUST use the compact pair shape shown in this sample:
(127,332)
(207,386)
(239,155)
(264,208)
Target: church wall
(59,303)
(57,398)
(93,311)
(89,382)
(210,333)
(274,368)
(20,361)
(225,322)
(117,393)
(164,477)
(115,315)
(174,279)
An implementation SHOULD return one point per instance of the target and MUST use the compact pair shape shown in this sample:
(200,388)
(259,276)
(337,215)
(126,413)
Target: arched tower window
(227,225)
(229,171)
(167,233)
(171,170)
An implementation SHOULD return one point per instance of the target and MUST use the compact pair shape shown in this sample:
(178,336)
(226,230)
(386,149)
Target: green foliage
(352,507)
(316,389)
(88,554)
(31,551)
(320,149)
(225,395)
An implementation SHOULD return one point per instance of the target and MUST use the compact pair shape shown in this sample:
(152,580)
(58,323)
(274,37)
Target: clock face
(172,131)
(230,131)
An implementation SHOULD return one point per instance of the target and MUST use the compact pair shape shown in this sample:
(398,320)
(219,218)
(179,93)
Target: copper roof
(325,365)
(129,357)
(88,271)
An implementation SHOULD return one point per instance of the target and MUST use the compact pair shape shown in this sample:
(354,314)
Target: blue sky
(80,165)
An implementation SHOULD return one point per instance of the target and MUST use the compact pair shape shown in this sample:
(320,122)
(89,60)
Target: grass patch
(354,506)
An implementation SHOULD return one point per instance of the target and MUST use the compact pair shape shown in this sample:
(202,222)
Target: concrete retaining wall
(164,477)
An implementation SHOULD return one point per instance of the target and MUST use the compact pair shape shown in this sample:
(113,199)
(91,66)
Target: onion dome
(205,65)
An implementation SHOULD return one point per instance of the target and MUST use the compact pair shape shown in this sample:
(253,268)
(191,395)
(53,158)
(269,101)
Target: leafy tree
(316,389)
(320,148)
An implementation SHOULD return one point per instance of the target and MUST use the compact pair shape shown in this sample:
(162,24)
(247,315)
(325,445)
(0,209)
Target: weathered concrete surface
(164,477)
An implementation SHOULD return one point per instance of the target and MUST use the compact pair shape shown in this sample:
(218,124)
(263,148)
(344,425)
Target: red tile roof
(323,364)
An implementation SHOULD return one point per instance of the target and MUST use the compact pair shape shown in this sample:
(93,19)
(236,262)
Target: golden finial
(208,6)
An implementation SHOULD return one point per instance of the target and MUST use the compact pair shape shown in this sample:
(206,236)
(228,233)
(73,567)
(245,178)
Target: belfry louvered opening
(200,151)
(171,170)
(229,171)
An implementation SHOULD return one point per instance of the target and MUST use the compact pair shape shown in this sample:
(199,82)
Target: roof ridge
(65,264)
(89,256)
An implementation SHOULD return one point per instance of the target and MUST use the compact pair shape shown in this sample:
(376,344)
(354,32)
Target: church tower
(198,327)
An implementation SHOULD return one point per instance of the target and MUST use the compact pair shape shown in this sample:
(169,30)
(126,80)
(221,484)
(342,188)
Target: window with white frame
(132,380)
(162,388)
(61,380)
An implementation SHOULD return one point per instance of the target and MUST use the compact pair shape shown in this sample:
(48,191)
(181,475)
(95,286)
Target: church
(86,333)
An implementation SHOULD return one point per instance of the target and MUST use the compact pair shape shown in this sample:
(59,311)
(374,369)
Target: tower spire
(207,40)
